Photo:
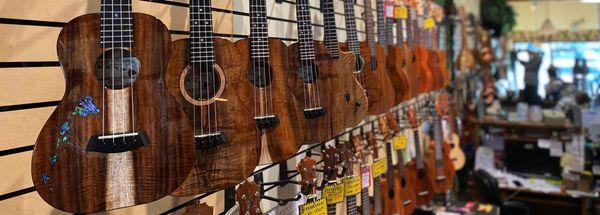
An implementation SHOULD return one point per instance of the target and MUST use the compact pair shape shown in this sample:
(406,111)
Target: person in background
(532,67)
(580,71)
(554,87)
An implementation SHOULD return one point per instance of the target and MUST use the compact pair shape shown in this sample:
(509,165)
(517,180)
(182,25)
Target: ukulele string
(103,45)
(112,69)
(304,71)
(121,58)
(196,56)
(210,38)
(129,19)
(268,77)
(254,67)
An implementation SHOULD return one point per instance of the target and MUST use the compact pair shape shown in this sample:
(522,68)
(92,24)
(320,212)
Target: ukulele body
(434,65)
(410,71)
(284,139)
(457,156)
(72,177)
(220,166)
(389,94)
(407,198)
(444,67)
(421,183)
(391,204)
(427,82)
(369,80)
(358,103)
(397,75)
(447,169)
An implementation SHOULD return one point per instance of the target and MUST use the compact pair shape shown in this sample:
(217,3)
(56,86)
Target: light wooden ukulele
(307,168)
(421,183)
(204,76)
(347,156)
(117,138)
(361,153)
(466,60)
(436,157)
(265,64)
(374,151)
(405,40)
(395,57)
(452,139)
(247,195)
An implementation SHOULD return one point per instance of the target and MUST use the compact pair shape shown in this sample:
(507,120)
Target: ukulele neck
(370,27)
(382,28)
(116,24)
(305,32)
(351,27)
(201,32)
(418,158)
(259,34)
(331,40)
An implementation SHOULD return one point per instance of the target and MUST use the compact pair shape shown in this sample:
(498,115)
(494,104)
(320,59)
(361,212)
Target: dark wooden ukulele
(354,102)
(421,52)
(198,208)
(276,110)
(365,63)
(421,177)
(361,155)
(348,158)
(432,51)
(117,138)
(331,166)
(390,201)
(437,157)
(381,50)
(247,195)
(406,42)
(373,146)
(395,60)
(403,185)
(204,76)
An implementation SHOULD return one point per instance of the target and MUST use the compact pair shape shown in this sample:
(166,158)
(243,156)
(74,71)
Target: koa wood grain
(73,169)
(284,139)
(397,74)
(221,165)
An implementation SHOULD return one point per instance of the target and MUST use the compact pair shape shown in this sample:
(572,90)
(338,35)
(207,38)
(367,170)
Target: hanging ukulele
(405,40)
(374,151)
(420,170)
(265,62)
(365,174)
(403,181)
(452,139)
(422,60)
(247,195)
(395,60)
(204,79)
(381,50)
(331,165)
(441,169)
(343,63)
(351,181)
(116,126)
(466,60)
(391,205)
(366,70)
(433,57)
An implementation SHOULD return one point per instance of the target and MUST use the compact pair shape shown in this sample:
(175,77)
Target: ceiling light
(590,1)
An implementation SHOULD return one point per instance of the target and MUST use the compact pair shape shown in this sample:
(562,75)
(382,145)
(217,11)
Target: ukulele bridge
(264,122)
(116,143)
(205,141)
(313,113)
(407,202)
(441,178)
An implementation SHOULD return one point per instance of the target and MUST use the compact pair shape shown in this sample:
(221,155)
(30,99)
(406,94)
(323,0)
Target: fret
(365,202)
(382,28)
(330,36)
(116,28)
(418,157)
(305,31)
(259,34)
(352,39)
(369,26)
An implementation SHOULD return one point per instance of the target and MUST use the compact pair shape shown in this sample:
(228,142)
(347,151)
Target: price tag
(401,12)
(333,193)
(389,9)
(365,176)
(379,167)
(429,23)
(399,142)
(318,207)
(352,186)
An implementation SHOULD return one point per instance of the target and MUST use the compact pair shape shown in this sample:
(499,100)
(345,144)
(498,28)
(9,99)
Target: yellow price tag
(318,207)
(333,193)
(399,142)
(401,12)
(429,23)
(352,186)
(379,167)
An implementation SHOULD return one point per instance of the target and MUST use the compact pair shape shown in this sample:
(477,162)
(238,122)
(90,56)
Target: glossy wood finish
(80,180)
(421,183)
(198,209)
(410,70)
(339,92)
(283,140)
(403,181)
(436,71)
(422,60)
(389,94)
(221,166)
(446,169)
(397,74)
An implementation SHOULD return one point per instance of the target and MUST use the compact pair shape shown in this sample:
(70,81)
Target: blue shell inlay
(65,138)
(54,159)
(64,128)
(86,107)
(45,178)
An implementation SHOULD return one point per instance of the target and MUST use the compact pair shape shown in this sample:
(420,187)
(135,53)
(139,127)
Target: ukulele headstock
(411,115)
(198,208)
(383,126)
(391,122)
(308,174)
(359,150)
(442,105)
(372,143)
(331,160)
(347,156)
(248,197)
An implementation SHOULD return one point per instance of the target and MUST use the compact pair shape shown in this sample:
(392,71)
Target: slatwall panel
(31,81)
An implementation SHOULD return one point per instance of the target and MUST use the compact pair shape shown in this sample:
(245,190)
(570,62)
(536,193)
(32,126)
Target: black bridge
(116,143)
(264,122)
(205,141)
(314,113)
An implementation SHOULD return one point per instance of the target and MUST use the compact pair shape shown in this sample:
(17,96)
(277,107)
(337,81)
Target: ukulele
(395,60)
(381,51)
(203,77)
(308,175)
(452,139)
(374,150)
(198,208)
(466,60)
(265,62)
(98,145)
(331,162)
(348,160)
(248,197)
(353,103)
(360,153)
(368,76)
(405,41)
(433,57)
(391,205)
(419,170)
(441,168)
(403,182)
(422,60)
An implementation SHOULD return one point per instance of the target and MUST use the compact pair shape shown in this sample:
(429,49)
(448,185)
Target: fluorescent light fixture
(590,1)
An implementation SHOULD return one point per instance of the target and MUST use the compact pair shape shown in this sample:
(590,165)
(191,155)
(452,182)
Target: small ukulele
(441,168)
(247,196)
(346,151)
(331,166)
(421,183)
(403,180)
(360,153)
(452,139)
(374,150)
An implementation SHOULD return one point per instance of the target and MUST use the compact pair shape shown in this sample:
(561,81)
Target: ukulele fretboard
(418,156)
(351,205)
(351,33)
(370,27)
(382,28)
(259,33)
(305,31)
(330,37)
(201,32)
(116,28)
(365,202)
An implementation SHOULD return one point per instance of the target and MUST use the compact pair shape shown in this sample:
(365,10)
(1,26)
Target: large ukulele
(204,78)
(117,138)
(354,102)
(265,65)
(421,183)
(436,157)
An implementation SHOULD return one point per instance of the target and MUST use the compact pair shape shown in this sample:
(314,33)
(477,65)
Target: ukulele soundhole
(391,194)
(202,82)
(421,174)
(403,182)
(117,68)
(359,64)
(260,74)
